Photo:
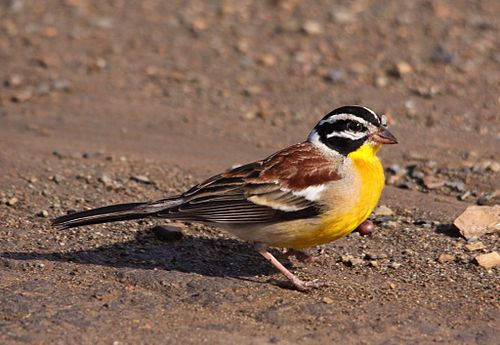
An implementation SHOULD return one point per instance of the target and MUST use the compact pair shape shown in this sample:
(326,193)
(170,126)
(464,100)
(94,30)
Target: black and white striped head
(347,128)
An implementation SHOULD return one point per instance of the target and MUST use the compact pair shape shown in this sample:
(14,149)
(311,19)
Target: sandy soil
(117,101)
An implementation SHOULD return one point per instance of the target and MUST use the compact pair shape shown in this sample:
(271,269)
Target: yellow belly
(340,221)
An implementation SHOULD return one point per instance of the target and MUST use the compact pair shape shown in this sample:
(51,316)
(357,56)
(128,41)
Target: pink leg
(296,282)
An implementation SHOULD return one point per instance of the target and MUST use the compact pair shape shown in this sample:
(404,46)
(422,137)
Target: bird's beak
(383,136)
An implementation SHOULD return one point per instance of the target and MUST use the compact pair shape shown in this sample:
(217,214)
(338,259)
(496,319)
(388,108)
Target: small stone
(12,201)
(489,260)
(327,300)
(106,180)
(43,213)
(381,81)
(494,166)
(22,96)
(14,80)
(373,263)
(311,27)
(401,69)
(167,233)
(349,260)
(458,186)
(335,76)
(268,60)
(442,55)
(478,220)
(141,179)
(61,85)
(395,265)
(444,258)
(382,211)
(474,246)
(431,182)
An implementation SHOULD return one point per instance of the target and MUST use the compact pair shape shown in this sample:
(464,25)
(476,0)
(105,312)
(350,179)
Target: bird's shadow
(216,257)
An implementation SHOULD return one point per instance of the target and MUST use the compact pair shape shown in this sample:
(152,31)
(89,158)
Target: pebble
(106,180)
(382,211)
(14,80)
(401,69)
(458,186)
(444,258)
(335,76)
(311,27)
(476,221)
(167,233)
(442,55)
(43,213)
(349,260)
(141,179)
(22,96)
(12,201)
(327,300)
(474,246)
(489,260)
(431,182)
(395,265)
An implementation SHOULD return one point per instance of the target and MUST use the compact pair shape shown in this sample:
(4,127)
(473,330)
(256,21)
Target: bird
(307,194)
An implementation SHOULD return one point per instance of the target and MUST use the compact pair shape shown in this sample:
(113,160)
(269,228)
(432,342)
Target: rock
(43,213)
(335,76)
(349,260)
(444,258)
(489,260)
(106,180)
(431,182)
(401,69)
(141,179)
(442,55)
(14,80)
(382,211)
(167,233)
(395,265)
(478,220)
(474,246)
(12,201)
(327,300)
(311,27)
(22,96)
(458,186)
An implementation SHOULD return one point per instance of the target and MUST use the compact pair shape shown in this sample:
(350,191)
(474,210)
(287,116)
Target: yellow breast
(346,212)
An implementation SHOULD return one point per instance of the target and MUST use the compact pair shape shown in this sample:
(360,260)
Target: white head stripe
(347,134)
(339,117)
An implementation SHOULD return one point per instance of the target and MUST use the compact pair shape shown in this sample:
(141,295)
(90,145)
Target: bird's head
(349,128)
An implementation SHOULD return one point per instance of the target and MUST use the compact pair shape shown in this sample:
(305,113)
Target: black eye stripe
(339,126)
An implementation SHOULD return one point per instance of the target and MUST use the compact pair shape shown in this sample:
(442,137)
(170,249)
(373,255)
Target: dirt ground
(119,101)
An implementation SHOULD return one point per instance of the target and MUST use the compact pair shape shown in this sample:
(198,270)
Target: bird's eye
(355,126)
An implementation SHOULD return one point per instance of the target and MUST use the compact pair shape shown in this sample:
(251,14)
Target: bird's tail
(115,213)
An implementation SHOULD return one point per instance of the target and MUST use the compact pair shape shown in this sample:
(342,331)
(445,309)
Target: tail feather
(114,213)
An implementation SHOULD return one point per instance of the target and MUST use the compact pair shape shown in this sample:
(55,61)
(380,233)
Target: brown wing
(259,192)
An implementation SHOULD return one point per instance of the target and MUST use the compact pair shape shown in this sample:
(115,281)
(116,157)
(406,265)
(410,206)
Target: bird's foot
(303,286)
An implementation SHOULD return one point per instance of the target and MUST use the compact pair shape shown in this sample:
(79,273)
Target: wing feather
(266,191)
